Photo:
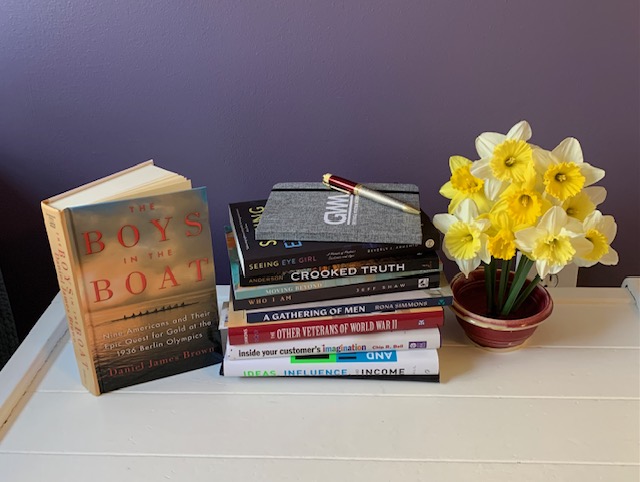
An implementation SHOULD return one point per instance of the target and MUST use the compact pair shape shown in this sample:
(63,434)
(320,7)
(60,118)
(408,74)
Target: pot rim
(500,324)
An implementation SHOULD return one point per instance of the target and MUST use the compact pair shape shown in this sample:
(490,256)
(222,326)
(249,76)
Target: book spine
(310,257)
(389,362)
(405,378)
(258,291)
(397,265)
(259,316)
(427,338)
(65,264)
(346,291)
(384,322)
(243,292)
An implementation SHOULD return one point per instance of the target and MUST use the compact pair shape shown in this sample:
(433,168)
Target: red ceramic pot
(470,308)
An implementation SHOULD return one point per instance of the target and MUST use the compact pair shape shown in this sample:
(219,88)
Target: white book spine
(389,362)
(427,338)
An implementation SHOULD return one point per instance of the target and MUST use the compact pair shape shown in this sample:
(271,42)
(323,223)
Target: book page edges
(144,178)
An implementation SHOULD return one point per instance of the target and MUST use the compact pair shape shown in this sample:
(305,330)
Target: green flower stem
(527,291)
(487,288)
(504,279)
(489,283)
(516,286)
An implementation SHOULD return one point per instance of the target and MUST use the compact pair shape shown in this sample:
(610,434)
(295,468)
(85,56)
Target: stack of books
(328,308)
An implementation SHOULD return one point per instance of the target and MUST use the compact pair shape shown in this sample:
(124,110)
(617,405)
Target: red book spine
(369,323)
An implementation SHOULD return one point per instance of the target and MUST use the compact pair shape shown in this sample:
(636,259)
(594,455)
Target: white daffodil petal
(542,159)
(443,222)
(520,132)
(467,211)
(610,258)
(553,200)
(592,220)
(608,227)
(526,238)
(482,168)
(555,268)
(572,227)
(468,265)
(487,142)
(583,263)
(591,174)
(484,253)
(582,246)
(483,224)
(493,188)
(569,150)
(597,194)
(542,267)
(553,220)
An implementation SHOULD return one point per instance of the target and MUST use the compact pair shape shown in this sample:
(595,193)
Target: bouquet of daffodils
(521,198)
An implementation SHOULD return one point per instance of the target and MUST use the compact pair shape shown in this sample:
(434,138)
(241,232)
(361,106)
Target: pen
(344,185)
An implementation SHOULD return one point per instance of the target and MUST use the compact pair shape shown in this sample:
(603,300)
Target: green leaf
(518,281)
(504,282)
(526,292)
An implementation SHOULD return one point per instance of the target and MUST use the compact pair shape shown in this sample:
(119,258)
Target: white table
(565,407)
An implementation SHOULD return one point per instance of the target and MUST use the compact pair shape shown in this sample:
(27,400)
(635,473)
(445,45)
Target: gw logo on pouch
(341,209)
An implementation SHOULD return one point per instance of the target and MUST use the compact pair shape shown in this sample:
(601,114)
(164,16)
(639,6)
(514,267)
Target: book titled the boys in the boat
(136,276)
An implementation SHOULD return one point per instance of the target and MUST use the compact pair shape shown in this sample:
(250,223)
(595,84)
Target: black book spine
(396,264)
(347,291)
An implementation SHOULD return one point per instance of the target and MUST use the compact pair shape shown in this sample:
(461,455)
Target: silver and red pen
(344,185)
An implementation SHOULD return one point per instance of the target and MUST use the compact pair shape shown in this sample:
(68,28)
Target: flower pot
(470,308)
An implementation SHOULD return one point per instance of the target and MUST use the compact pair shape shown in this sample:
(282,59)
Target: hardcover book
(386,362)
(366,267)
(135,267)
(255,291)
(241,332)
(386,302)
(426,338)
(310,211)
(274,256)
(421,282)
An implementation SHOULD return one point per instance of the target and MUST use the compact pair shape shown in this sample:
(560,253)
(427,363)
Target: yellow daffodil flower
(523,201)
(600,231)
(501,236)
(463,185)
(504,158)
(585,202)
(519,198)
(465,239)
(564,171)
(554,242)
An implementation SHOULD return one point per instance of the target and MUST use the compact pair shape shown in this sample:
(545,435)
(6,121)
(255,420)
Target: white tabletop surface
(564,407)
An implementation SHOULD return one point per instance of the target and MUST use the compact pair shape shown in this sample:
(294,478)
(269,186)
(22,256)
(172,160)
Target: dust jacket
(138,283)
(310,211)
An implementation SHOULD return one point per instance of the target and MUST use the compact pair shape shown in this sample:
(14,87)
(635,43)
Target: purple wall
(239,95)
